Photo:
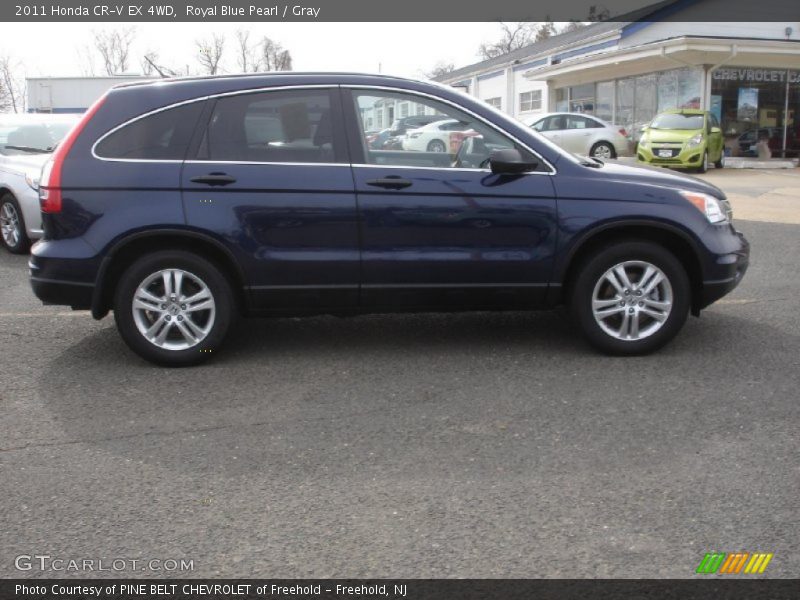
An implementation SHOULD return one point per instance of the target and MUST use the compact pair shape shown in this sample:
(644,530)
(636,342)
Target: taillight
(623,133)
(50,181)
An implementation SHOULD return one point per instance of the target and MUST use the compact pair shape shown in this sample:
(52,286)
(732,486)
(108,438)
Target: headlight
(695,141)
(643,143)
(32,181)
(715,210)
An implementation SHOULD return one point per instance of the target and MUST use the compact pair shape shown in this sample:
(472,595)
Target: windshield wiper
(30,149)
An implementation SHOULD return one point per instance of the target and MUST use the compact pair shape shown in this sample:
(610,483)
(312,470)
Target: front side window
(554,123)
(283,126)
(163,135)
(449,137)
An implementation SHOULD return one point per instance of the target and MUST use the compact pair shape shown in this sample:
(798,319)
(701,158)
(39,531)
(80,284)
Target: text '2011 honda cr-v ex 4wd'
(183,204)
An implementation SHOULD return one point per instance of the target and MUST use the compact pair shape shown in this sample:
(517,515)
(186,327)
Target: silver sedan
(583,134)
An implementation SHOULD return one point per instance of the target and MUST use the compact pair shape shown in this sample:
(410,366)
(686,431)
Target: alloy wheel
(174,309)
(10,225)
(632,300)
(602,151)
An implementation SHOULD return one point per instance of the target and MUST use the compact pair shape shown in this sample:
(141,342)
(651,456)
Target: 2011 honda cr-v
(181,204)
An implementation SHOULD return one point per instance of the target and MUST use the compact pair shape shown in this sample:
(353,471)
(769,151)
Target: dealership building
(747,74)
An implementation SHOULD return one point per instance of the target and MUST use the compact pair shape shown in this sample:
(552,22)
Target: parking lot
(471,445)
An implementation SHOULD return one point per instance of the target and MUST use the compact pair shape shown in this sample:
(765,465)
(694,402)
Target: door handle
(390,183)
(214,179)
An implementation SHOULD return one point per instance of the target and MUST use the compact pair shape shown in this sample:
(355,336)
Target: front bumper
(682,158)
(732,266)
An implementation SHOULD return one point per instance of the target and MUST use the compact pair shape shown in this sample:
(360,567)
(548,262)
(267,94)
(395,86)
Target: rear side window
(163,135)
(283,126)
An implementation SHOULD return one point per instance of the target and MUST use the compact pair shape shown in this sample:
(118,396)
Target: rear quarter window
(164,135)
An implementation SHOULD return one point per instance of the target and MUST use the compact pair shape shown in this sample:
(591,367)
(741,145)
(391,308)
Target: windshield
(31,138)
(677,121)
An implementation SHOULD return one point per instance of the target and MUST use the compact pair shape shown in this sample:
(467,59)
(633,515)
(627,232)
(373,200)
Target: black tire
(720,164)
(201,268)
(609,146)
(23,243)
(593,268)
(436,146)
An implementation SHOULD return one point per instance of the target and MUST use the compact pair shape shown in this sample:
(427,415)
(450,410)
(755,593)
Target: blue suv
(182,204)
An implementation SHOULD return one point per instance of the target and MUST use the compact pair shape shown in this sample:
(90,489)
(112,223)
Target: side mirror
(509,161)
(716,130)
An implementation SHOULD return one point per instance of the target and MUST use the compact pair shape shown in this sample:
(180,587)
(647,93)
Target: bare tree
(114,46)
(151,65)
(210,53)
(440,69)
(12,90)
(274,57)
(545,30)
(515,36)
(248,55)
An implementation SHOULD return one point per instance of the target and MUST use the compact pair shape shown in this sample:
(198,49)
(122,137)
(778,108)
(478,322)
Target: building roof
(562,40)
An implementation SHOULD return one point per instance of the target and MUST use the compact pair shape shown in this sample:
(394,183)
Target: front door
(438,228)
(272,180)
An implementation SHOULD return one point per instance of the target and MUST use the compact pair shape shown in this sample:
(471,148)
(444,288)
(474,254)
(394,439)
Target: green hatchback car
(682,139)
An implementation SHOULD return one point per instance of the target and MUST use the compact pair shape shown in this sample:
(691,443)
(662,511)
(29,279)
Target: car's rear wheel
(173,308)
(630,298)
(12,226)
(603,150)
(436,146)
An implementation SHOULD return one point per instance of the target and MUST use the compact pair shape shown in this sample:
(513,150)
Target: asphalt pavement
(467,445)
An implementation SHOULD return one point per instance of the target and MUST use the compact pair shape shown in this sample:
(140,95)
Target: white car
(26,142)
(584,134)
(440,136)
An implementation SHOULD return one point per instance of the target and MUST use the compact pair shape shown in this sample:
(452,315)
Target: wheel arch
(670,237)
(125,251)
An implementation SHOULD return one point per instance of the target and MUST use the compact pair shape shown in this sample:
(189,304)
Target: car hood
(659,177)
(670,135)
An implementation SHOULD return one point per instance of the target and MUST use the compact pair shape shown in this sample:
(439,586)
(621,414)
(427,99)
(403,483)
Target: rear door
(270,177)
(438,229)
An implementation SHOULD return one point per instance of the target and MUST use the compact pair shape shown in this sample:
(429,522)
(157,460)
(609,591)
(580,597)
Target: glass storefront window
(604,106)
(581,98)
(646,105)
(625,98)
(751,104)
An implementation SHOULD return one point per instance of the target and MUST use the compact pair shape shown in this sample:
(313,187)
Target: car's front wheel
(703,165)
(630,298)
(173,308)
(12,226)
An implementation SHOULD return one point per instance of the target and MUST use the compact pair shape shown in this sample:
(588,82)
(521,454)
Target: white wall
(75,94)
(494,87)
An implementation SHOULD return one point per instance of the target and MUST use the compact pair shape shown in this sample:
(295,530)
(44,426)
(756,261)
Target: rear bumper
(63,281)
(732,266)
(56,291)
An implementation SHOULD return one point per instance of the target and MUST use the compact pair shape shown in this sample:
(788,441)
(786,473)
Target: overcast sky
(405,49)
